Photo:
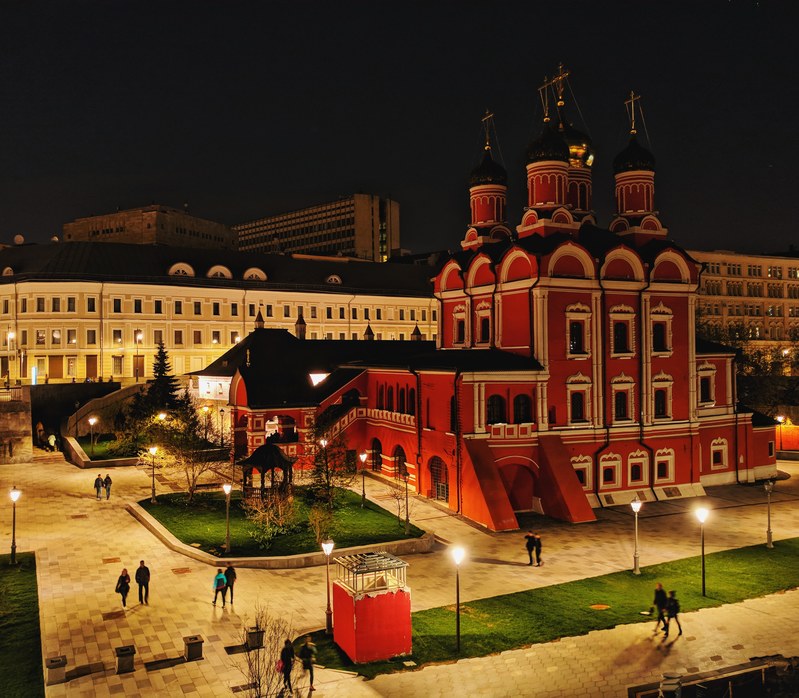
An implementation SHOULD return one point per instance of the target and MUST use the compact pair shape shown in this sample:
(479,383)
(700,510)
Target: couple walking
(532,541)
(100,483)
(224,581)
(142,579)
(668,608)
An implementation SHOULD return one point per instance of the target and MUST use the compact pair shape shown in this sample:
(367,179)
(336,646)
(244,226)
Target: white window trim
(483,311)
(623,384)
(660,382)
(607,461)
(667,455)
(584,463)
(622,313)
(662,314)
(459,315)
(638,458)
(706,370)
(719,446)
(582,314)
(579,383)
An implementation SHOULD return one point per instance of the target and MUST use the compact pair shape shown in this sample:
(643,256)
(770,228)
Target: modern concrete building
(362,225)
(89,310)
(754,296)
(151,225)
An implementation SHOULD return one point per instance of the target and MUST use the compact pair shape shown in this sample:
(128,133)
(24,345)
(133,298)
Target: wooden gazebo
(268,457)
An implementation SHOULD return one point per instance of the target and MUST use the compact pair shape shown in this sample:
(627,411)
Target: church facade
(566,373)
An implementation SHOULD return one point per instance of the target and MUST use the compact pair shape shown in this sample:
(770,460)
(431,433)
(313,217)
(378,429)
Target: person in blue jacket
(220,586)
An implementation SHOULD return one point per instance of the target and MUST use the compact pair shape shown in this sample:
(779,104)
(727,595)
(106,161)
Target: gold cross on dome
(630,105)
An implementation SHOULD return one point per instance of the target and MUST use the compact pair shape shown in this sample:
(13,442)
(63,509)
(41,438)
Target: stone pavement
(82,545)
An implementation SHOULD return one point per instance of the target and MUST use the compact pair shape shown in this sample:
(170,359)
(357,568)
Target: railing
(11,394)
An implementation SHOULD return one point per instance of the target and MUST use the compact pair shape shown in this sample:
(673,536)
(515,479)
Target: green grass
(203,524)
(101,449)
(20,641)
(540,615)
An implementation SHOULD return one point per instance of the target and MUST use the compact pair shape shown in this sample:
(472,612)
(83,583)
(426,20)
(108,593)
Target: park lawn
(202,524)
(20,640)
(545,614)
(100,449)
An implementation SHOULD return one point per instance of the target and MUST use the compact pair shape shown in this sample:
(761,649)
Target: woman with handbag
(286,663)
(123,586)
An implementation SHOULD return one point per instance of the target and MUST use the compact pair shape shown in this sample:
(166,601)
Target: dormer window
(333,279)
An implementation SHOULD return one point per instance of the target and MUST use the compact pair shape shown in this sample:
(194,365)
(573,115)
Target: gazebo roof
(369,563)
(267,456)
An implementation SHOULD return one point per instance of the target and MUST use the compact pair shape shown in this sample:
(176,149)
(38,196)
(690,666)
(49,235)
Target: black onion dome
(634,157)
(550,145)
(488,172)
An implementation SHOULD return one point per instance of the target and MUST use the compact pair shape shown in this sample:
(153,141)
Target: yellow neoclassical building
(96,311)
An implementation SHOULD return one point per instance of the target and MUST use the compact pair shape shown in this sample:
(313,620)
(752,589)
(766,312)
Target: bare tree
(190,465)
(320,519)
(271,516)
(260,664)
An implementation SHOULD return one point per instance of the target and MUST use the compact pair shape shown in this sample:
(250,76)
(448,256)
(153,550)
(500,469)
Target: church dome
(488,172)
(634,157)
(581,150)
(550,145)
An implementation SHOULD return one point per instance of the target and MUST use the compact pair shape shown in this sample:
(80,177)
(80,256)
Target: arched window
(578,406)
(522,409)
(390,399)
(377,456)
(411,401)
(439,479)
(401,400)
(381,397)
(400,469)
(495,410)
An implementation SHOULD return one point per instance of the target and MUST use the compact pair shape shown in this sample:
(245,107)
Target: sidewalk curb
(413,546)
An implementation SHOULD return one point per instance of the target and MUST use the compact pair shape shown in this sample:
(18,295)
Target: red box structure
(371,607)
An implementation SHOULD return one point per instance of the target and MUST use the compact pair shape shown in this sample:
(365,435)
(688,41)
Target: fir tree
(163,391)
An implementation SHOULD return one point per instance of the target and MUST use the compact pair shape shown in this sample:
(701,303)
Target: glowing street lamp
(701,515)
(227,487)
(636,507)
(768,486)
(221,427)
(327,548)
(153,450)
(363,479)
(14,494)
(458,554)
(780,419)
(92,422)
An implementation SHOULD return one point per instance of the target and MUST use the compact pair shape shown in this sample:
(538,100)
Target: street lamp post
(458,554)
(780,420)
(137,336)
(363,479)
(327,548)
(768,486)
(153,450)
(14,494)
(92,422)
(701,515)
(323,444)
(227,487)
(636,506)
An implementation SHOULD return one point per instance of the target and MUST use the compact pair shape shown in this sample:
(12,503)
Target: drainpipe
(349,316)
(458,455)
(603,339)
(735,435)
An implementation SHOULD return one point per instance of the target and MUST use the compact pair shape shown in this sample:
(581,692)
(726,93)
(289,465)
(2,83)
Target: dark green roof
(128,263)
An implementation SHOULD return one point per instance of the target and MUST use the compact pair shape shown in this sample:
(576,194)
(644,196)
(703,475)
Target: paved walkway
(82,544)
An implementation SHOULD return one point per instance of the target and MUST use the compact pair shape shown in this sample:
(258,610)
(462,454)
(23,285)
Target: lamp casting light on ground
(227,487)
(153,450)
(458,554)
(780,419)
(92,422)
(327,548)
(14,494)
(636,506)
(363,457)
(701,515)
(768,485)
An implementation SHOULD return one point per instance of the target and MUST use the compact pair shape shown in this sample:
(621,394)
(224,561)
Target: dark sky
(243,109)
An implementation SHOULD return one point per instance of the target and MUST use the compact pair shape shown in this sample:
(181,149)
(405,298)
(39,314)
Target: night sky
(245,109)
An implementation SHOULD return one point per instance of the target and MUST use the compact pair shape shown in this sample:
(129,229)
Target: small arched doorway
(400,469)
(439,478)
(377,455)
(520,484)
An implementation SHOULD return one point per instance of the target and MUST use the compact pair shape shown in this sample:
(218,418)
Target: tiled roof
(128,263)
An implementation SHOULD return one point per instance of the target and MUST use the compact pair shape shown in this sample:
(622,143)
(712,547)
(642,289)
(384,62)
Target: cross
(557,83)
(630,104)
(487,126)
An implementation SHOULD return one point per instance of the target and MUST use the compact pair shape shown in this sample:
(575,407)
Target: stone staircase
(42,456)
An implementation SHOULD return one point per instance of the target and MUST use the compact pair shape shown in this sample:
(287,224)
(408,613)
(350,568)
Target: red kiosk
(371,607)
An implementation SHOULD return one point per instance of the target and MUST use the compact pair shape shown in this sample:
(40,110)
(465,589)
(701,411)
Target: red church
(566,374)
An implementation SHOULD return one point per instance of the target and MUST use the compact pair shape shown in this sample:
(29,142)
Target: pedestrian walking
(220,586)
(98,485)
(659,603)
(538,560)
(40,434)
(673,612)
(51,443)
(123,586)
(143,580)
(286,663)
(107,485)
(307,654)
(529,543)
(230,579)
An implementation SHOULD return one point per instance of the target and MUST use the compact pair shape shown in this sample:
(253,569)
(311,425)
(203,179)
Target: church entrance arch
(439,478)
(520,482)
